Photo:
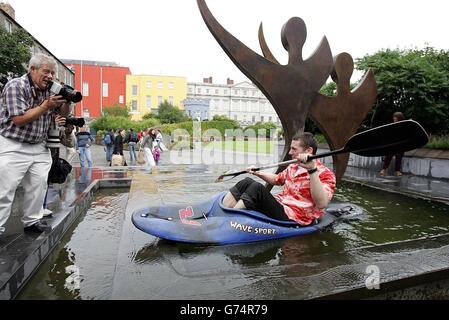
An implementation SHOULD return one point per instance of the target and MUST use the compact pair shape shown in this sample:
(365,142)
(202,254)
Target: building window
(171,85)
(86,113)
(149,85)
(121,99)
(85,89)
(254,119)
(262,119)
(225,92)
(159,100)
(235,117)
(207,91)
(135,90)
(134,105)
(190,90)
(236,92)
(270,119)
(160,85)
(8,26)
(105,90)
(245,92)
(216,91)
(148,101)
(171,100)
(199,90)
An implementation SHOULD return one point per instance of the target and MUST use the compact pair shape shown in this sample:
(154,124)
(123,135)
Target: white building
(242,102)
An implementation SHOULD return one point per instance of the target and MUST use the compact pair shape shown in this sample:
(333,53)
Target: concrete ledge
(421,162)
(419,272)
(22,254)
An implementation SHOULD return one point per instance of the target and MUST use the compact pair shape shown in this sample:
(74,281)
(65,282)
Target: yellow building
(144,93)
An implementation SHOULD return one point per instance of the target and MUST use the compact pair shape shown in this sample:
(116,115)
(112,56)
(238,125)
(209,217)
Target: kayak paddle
(393,138)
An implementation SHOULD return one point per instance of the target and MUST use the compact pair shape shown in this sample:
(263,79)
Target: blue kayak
(211,223)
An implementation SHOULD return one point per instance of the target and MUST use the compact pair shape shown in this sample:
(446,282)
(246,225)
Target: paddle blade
(390,139)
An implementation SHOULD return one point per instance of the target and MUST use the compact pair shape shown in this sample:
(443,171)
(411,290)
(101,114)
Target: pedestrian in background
(147,146)
(132,140)
(118,145)
(83,142)
(108,141)
(398,116)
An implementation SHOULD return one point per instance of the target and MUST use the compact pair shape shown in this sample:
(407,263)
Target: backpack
(107,139)
(133,137)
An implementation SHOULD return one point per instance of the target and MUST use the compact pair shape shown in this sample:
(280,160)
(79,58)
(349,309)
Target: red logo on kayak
(186,213)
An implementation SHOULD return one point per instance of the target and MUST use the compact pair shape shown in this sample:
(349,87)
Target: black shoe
(40,226)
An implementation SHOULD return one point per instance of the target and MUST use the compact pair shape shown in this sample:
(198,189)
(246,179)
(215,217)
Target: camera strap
(33,89)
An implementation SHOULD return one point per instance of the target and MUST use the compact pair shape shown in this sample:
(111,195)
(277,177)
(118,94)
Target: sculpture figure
(290,88)
(339,117)
(293,89)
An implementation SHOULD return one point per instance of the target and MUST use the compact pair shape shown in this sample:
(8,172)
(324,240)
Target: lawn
(266,147)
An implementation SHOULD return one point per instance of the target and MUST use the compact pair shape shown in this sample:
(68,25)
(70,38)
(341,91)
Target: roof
(91,63)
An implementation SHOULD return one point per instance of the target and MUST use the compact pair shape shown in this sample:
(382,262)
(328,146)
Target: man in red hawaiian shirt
(308,187)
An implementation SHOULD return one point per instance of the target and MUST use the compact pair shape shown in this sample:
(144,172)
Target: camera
(77,122)
(53,135)
(66,91)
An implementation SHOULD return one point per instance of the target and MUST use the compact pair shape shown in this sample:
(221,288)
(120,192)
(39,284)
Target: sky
(169,37)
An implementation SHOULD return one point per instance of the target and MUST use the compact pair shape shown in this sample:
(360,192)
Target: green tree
(14,53)
(115,123)
(116,111)
(329,89)
(149,115)
(226,119)
(415,82)
(167,113)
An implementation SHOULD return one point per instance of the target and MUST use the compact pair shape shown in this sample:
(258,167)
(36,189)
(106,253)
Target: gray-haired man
(25,116)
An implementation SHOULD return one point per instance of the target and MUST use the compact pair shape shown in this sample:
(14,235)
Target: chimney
(8,9)
(205,80)
(230,82)
(211,80)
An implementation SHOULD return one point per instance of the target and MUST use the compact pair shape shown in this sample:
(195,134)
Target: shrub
(438,142)
(104,123)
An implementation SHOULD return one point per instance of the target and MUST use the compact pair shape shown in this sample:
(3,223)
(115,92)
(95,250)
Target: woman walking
(147,146)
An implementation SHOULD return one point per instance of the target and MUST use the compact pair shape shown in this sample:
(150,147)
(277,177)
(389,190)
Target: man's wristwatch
(312,171)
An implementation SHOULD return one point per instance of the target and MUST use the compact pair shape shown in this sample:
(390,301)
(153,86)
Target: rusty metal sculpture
(340,117)
(293,89)
(290,88)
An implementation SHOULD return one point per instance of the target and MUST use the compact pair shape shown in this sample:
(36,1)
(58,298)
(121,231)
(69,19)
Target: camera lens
(70,94)
(53,138)
(66,91)
(77,122)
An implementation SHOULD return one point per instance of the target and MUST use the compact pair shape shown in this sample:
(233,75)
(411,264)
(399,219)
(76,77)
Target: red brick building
(103,84)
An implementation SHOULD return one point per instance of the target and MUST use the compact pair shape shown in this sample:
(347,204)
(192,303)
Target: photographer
(25,117)
(68,140)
